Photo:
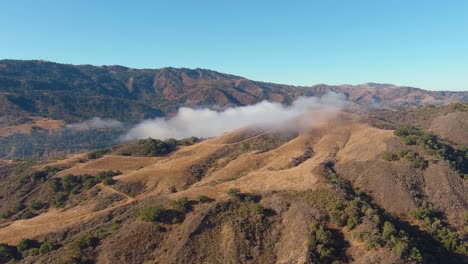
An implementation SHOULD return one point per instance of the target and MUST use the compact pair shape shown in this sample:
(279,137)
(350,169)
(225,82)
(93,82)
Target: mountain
(79,92)
(358,188)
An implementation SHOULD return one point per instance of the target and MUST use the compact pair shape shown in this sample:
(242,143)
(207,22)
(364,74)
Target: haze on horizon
(410,43)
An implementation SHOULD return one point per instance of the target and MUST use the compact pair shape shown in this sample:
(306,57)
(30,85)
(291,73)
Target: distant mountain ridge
(78,92)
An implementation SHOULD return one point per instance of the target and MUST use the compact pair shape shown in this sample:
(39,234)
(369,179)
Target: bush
(257,209)
(97,154)
(388,231)
(181,205)
(400,248)
(421,213)
(204,199)
(155,147)
(234,192)
(27,214)
(108,180)
(35,205)
(322,243)
(415,255)
(389,156)
(152,213)
(33,252)
(59,200)
(26,244)
(89,183)
(46,247)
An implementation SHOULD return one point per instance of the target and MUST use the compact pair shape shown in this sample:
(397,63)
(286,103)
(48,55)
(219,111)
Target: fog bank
(209,123)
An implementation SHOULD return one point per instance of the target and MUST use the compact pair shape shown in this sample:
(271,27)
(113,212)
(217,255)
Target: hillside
(79,92)
(341,191)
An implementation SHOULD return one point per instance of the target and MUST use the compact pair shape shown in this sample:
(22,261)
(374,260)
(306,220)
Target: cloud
(96,123)
(206,122)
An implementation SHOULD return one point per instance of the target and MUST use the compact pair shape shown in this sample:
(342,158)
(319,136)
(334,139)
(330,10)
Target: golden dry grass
(251,172)
(44,123)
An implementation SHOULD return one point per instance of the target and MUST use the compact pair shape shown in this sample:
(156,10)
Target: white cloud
(208,123)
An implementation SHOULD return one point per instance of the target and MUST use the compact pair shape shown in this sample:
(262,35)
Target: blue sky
(416,43)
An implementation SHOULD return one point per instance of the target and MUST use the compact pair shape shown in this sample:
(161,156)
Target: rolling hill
(342,190)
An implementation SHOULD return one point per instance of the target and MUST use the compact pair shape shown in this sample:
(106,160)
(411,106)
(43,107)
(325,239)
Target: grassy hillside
(328,195)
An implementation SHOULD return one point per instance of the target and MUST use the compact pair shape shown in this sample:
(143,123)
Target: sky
(414,43)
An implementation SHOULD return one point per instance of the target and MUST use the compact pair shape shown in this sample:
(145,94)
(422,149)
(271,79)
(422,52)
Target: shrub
(389,156)
(234,192)
(89,183)
(400,248)
(388,231)
(69,182)
(151,213)
(27,214)
(26,244)
(33,252)
(35,205)
(204,199)
(97,154)
(58,200)
(181,205)
(421,213)
(257,209)
(415,255)
(108,180)
(55,185)
(155,147)
(47,246)
(110,173)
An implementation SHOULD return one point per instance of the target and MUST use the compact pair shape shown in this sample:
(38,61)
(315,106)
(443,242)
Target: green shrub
(204,199)
(46,247)
(26,244)
(388,231)
(400,248)
(97,154)
(27,214)
(89,183)
(59,200)
(181,205)
(415,255)
(33,252)
(108,180)
(151,213)
(257,209)
(421,213)
(35,205)
(389,156)
(155,147)
(234,192)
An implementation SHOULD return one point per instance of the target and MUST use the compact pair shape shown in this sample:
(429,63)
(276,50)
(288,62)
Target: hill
(79,92)
(341,191)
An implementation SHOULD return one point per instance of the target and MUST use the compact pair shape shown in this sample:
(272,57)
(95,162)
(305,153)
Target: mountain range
(78,92)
